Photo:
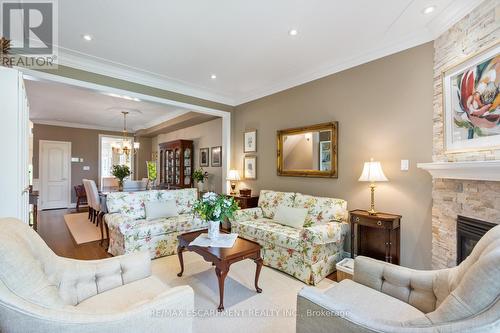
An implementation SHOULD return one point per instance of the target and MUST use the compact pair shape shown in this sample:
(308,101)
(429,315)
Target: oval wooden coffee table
(222,258)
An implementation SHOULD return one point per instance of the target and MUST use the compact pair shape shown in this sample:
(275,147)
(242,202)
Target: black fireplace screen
(469,231)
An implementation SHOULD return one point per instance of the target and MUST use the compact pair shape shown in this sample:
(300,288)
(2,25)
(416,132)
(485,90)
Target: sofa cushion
(321,210)
(269,201)
(160,209)
(131,204)
(144,229)
(290,216)
(123,297)
(266,230)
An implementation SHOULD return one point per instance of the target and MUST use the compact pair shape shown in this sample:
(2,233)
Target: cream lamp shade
(233,175)
(372,172)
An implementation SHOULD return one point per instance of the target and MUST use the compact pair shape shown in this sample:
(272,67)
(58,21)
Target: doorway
(55,174)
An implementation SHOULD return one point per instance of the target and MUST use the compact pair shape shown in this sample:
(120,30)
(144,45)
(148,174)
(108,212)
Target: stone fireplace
(469,232)
(464,183)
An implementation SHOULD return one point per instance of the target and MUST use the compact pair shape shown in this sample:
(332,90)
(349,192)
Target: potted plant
(152,173)
(213,208)
(199,176)
(120,172)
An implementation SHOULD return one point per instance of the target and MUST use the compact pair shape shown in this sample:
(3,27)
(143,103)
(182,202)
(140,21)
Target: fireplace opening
(469,232)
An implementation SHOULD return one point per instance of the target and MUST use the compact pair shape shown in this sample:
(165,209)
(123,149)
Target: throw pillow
(292,217)
(160,209)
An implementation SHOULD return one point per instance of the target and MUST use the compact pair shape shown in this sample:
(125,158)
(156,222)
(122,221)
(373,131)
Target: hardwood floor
(53,230)
(55,233)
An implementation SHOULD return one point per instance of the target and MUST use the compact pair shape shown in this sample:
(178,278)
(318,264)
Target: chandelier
(126,146)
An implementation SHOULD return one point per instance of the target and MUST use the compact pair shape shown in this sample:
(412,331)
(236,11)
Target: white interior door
(55,175)
(14,141)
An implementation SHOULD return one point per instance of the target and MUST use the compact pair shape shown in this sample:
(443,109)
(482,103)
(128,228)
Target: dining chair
(109,182)
(96,203)
(86,185)
(81,196)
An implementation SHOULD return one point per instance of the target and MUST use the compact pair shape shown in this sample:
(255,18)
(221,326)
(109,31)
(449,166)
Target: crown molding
(76,125)
(120,71)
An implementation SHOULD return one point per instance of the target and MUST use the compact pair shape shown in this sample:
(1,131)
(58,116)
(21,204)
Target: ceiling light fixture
(293,32)
(87,37)
(213,76)
(429,9)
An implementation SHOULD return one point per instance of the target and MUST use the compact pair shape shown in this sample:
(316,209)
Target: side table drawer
(372,223)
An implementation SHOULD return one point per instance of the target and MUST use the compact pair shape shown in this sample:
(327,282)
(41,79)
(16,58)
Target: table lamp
(372,172)
(233,176)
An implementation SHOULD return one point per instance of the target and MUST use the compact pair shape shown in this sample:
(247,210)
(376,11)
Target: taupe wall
(384,110)
(208,134)
(84,144)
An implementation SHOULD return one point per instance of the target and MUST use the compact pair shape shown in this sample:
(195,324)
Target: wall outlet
(405,165)
(86,168)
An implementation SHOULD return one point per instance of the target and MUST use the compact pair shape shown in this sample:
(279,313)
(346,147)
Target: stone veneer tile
(478,199)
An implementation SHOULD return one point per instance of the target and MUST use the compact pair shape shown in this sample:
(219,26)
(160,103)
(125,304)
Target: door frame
(225,115)
(40,170)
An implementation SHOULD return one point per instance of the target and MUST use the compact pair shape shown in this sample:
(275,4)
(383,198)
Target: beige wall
(208,134)
(84,144)
(384,110)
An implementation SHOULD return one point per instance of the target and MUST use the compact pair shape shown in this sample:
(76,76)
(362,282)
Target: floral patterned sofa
(309,254)
(129,231)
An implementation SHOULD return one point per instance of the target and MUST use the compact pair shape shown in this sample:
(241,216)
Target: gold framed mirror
(309,151)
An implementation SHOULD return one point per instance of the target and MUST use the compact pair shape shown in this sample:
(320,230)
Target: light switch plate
(405,165)
(86,168)
(75,159)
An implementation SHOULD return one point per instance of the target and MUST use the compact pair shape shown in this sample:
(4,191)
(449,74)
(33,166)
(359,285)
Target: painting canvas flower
(472,103)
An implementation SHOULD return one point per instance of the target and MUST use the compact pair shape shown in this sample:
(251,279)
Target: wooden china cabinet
(176,164)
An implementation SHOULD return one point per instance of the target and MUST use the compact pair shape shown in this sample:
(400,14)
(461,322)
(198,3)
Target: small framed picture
(204,157)
(250,141)
(217,156)
(250,167)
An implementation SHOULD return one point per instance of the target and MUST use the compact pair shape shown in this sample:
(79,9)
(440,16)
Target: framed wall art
(471,102)
(204,157)
(250,141)
(217,156)
(250,167)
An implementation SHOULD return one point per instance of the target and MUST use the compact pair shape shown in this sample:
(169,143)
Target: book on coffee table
(224,241)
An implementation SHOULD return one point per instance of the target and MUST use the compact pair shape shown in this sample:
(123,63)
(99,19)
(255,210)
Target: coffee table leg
(257,273)
(180,249)
(221,276)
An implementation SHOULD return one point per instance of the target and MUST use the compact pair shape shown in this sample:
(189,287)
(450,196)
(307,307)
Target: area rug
(245,310)
(82,230)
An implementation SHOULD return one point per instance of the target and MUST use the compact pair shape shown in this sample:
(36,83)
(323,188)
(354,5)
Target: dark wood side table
(221,258)
(246,201)
(378,236)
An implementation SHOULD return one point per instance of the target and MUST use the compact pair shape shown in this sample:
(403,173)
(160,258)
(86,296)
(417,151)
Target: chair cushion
(267,230)
(269,201)
(143,229)
(321,210)
(289,216)
(361,299)
(160,209)
(123,297)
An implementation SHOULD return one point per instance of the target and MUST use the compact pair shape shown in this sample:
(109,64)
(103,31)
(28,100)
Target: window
(109,156)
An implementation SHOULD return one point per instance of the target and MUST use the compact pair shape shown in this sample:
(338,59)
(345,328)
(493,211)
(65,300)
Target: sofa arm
(115,220)
(247,214)
(170,312)
(332,232)
(408,285)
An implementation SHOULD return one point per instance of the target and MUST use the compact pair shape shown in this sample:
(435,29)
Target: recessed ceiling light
(87,37)
(429,9)
(213,76)
(293,32)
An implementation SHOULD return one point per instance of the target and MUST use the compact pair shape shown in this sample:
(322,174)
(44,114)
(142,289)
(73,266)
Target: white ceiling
(177,45)
(65,105)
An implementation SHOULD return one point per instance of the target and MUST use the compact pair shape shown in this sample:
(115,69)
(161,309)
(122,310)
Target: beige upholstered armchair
(389,298)
(41,292)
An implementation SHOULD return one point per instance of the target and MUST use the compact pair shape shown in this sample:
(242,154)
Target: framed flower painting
(471,102)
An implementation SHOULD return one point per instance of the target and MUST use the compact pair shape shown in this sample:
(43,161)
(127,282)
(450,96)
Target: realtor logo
(32,31)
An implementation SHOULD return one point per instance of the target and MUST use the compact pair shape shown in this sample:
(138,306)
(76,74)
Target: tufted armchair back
(443,295)
(31,271)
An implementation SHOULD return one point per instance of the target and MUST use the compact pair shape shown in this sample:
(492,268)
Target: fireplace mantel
(469,170)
